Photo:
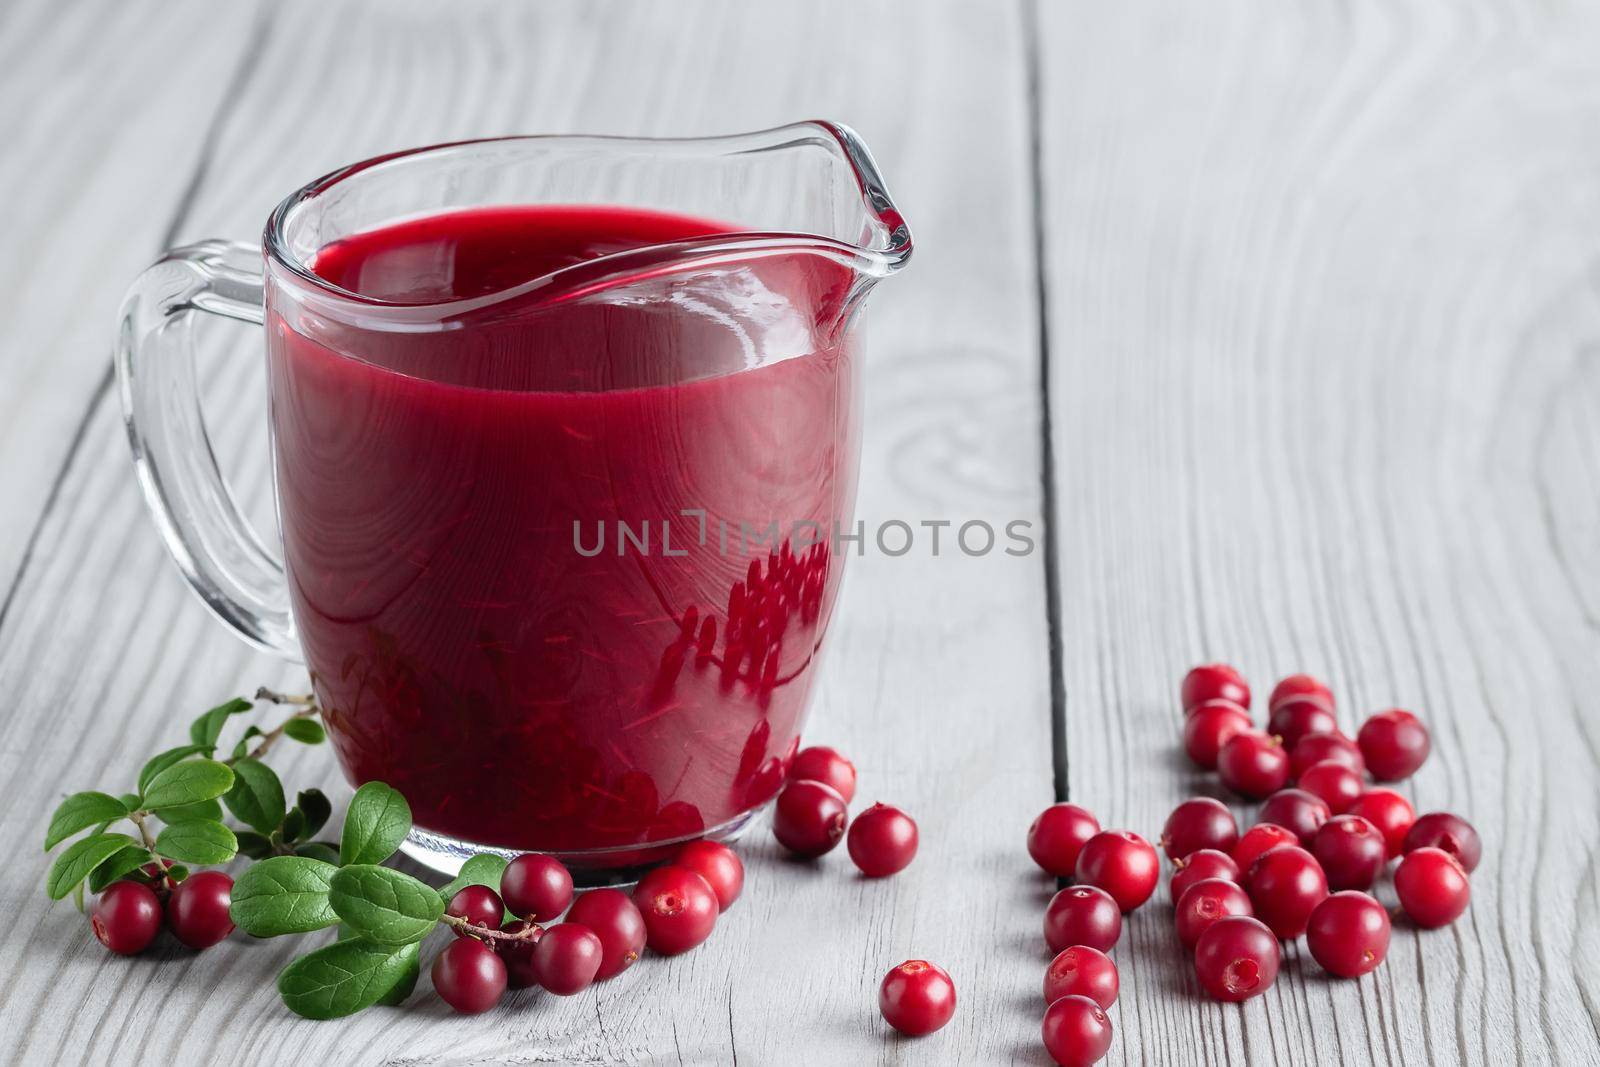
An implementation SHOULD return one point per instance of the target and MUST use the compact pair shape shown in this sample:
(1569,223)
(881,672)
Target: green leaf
(378,820)
(187,782)
(407,982)
(124,861)
(316,808)
(209,810)
(283,895)
(319,850)
(130,801)
(254,845)
(205,730)
(294,824)
(74,865)
(383,905)
(162,760)
(305,731)
(79,812)
(257,795)
(483,869)
(201,841)
(345,977)
(242,748)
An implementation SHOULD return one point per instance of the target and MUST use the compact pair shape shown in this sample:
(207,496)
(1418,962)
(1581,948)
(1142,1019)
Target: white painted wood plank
(1322,315)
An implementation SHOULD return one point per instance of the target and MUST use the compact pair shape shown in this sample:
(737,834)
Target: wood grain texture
(1323,324)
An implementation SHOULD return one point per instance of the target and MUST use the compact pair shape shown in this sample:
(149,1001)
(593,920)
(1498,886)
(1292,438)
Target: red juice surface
(470,647)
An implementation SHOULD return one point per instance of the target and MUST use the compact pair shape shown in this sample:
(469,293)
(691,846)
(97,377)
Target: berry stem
(308,709)
(484,933)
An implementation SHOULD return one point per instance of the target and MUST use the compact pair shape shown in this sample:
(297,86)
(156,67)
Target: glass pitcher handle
(215,547)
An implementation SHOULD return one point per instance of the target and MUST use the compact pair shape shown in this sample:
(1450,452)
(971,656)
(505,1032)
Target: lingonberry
(567,958)
(617,922)
(917,997)
(126,918)
(1260,838)
(825,765)
(1253,764)
(1295,810)
(1351,851)
(1081,971)
(1236,958)
(518,955)
(882,841)
(1285,887)
(1196,824)
(1214,681)
(1123,864)
(1432,887)
(1327,745)
(197,910)
(1082,915)
(1335,784)
(1394,744)
(469,975)
(679,908)
(1299,685)
(479,905)
(1390,812)
(1076,1032)
(536,887)
(1197,867)
(1348,934)
(1057,835)
(1209,726)
(809,817)
(1452,833)
(718,864)
(1299,718)
(1204,903)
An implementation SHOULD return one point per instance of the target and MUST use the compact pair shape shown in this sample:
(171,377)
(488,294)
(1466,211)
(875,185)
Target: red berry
(1300,685)
(1057,835)
(679,908)
(479,905)
(1285,886)
(1253,764)
(1197,867)
(1214,681)
(1259,839)
(1351,851)
(1204,903)
(917,997)
(469,976)
(882,841)
(825,765)
(1394,744)
(1333,783)
(1452,833)
(127,917)
(1296,810)
(616,921)
(1123,864)
(809,818)
(1209,726)
(1082,915)
(1081,971)
(567,958)
(197,910)
(536,887)
(1390,812)
(718,864)
(1432,887)
(1076,1032)
(518,955)
(1349,934)
(1196,824)
(1236,958)
(1328,745)
(1296,719)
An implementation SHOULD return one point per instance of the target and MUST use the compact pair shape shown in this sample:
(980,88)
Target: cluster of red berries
(128,914)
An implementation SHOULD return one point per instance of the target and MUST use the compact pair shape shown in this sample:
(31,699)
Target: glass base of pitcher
(591,868)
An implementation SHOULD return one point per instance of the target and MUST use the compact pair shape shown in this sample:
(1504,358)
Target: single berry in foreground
(469,976)
(1236,959)
(1081,971)
(616,921)
(917,997)
(1197,867)
(126,918)
(1123,864)
(536,887)
(1076,1032)
(1209,726)
(1285,886)
(1432,887)
(567,958)
(197,910)
(1394,744)
(1214,681)
(1295,810)
(1205,903)
(1452,833)
(679,909)
(809,818)
(882,841)
(1349,934)
(718,864)
(826,765)
(1253,764)
(479,905)
(1196,824)
(1316,748)
(1259,839)
(1334,784)
(518,955)
(1299,685)
(1057,836)
(1390,812)
(1082,915)
(1296,719)
(1351,851)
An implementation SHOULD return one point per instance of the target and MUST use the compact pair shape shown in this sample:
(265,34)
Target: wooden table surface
(1285,317)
